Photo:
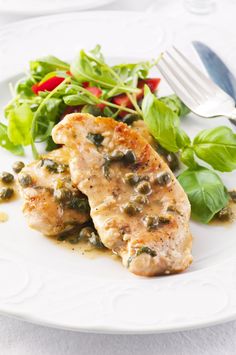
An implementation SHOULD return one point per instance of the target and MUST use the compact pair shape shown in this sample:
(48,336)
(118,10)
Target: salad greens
(54,88)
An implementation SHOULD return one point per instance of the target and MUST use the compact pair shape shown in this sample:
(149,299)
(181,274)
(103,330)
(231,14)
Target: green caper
(131,178)
(6,177)
(144,187)
(116,155)
(95,138)
(78,203)
(172,161)
(6,193)
(225,214)
(62,195)
(131,208)
(129,157)
(74,239)
(140,199)
(163,179)
(151,222)
(146,250)
(232,195)
(18,166)
(164,219)
(95,240)
(25,180)
(86,232)
(50,165)
(92,109)
(130,118)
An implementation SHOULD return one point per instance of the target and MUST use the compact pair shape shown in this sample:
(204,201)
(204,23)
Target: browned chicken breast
(51,204)
(138,207)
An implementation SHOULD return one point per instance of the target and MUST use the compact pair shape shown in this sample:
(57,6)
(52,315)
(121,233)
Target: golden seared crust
(40,207)
(160,248)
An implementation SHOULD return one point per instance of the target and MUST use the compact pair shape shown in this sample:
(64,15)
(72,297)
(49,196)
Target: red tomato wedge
(47,85)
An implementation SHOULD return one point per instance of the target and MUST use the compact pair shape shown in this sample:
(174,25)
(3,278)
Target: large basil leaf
(217,147)
(163,123)
(206,192)
(19,126)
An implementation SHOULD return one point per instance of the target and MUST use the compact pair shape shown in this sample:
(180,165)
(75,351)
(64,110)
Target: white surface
(20,338)
(39,7)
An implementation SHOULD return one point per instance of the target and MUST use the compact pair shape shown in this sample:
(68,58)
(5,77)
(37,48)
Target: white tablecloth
(19,338)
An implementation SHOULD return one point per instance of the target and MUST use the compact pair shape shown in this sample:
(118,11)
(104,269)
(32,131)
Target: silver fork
(200,94)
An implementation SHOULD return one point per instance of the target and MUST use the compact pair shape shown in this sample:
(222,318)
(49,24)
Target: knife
(217,70)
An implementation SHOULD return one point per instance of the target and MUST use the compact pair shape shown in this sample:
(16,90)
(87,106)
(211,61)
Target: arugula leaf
(163,123)
(7,144)
(130,73)
(80,99)
(206,192)
(217,147)
(19,126)
(175,104)
(42,66)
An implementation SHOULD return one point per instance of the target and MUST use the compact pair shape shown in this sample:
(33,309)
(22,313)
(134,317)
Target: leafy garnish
(206,192)
(7,144)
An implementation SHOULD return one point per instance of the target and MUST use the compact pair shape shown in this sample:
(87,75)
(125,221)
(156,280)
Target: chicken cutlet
(138,207)
(52,205)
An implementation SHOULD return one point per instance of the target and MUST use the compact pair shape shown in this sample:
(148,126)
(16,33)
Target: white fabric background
(19,338)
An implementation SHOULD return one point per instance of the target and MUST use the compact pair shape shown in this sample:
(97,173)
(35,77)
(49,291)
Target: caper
(73,239)
(130,208)
(225,214)
(50,165)
(6,193)
(172,161)
(25,180)
(151,222)
(144,187)
(130,118)
(6,177)
(131,178)
(18,166)
(146,250)
(92,109)
(86,232)
(116,155)
(79,204)
(233,195)
(95,240)
(163,179)
(95,138)
(129,157)
(140,199)
(164,220)
(62,195)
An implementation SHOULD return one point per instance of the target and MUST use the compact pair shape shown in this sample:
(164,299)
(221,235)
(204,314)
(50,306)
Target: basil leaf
(217,147)
(162,123)
(19,126)
(187,157)
(175,104)
(7,144)
(206,192)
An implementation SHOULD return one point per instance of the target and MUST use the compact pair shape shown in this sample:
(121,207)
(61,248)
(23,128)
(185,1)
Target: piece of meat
(103,152)
(44,206)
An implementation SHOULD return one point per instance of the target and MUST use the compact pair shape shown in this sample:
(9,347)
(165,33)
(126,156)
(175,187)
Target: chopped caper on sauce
(226,214)
(6,178)
(144,187)
(53,167)
(127,158)
(18,166)
(131,208)
(163,179)
(232,195)
(95,138)
(146,250)
(151,222)
(140,199)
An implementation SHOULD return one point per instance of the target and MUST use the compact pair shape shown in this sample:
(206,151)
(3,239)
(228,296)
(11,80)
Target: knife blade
(217,70)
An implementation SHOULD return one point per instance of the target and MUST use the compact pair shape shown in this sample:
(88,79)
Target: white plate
(38,7)
(44,283)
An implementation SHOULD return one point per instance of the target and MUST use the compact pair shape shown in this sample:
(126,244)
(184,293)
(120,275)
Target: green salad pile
(125,92)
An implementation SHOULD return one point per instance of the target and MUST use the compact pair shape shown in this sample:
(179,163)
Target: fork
(200,94)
